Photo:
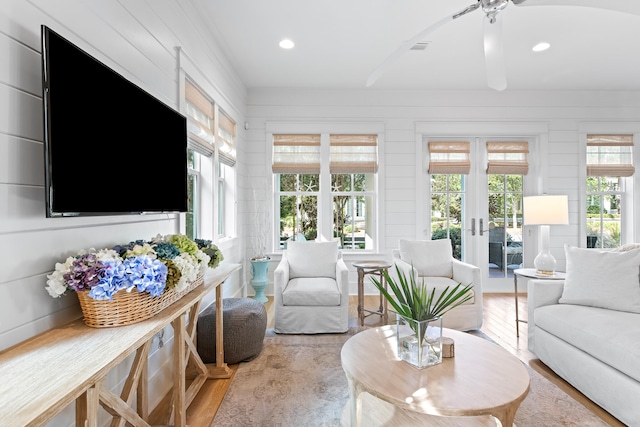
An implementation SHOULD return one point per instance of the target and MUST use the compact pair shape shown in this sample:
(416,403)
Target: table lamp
(544,211)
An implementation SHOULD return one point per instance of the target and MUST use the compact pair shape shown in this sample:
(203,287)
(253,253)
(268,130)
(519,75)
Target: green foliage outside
(300,213)
(455,236)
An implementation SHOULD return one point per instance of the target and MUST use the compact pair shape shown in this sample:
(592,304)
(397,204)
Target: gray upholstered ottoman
(244,322)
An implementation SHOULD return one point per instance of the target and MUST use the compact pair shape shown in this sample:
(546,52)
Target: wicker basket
(128,307)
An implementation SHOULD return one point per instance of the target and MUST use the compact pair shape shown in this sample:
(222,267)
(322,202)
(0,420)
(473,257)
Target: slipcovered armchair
(311,289)
(434,264)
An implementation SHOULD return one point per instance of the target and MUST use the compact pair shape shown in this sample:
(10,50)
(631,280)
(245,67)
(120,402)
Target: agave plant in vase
(419,315)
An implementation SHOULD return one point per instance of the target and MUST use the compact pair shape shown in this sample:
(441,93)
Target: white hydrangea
(189,268)
(107,255)
(137,250)
(204,261)
(57,284)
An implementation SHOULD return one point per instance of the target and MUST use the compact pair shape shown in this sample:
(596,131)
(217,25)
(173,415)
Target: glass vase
(419,341)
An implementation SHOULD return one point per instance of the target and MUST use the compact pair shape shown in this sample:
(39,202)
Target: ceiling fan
(493,48)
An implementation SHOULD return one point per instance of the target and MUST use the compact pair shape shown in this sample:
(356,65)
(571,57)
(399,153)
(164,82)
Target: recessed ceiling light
(287,44)
(541,46)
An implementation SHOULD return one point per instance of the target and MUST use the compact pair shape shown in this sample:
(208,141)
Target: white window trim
(326,128)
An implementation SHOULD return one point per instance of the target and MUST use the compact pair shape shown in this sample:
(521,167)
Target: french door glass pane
(505,224)
(447,203)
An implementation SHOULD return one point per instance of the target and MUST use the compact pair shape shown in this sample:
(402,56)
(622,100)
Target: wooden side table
(371,267)
(530,273)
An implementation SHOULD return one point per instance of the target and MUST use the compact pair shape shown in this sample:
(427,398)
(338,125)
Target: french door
(481,211)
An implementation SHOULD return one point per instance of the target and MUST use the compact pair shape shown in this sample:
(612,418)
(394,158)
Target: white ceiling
(340,42)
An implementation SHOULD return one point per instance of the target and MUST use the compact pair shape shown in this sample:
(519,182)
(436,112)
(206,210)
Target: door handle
(482,231)
(473,226)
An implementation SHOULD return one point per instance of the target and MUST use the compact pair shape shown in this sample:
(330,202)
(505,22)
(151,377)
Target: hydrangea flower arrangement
(165,262)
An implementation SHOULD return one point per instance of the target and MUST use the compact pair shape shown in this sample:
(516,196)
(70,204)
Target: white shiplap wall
(138,39)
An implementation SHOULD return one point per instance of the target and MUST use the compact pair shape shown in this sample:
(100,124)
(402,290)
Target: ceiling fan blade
(626,6)
(494,54)
(407,45)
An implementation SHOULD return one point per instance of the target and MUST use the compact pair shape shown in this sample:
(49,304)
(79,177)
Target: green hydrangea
(184,244)
(173,274)
(215,254)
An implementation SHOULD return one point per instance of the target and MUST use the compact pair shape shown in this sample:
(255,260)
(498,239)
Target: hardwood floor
(499,325)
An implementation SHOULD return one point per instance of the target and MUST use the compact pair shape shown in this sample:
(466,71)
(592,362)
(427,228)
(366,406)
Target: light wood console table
(44,374)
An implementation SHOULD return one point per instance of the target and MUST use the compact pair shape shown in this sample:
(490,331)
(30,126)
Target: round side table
(371,267)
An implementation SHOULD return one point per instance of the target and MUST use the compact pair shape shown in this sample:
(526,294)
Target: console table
(44,374)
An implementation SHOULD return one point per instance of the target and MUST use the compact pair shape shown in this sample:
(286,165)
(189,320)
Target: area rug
(297,380)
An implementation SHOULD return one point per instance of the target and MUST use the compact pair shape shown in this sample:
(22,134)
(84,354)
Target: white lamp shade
(545,210)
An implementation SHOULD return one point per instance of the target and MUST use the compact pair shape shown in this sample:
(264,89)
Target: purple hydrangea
(85,273)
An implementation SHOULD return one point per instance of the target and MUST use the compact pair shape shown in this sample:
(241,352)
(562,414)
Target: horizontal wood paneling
(16,151)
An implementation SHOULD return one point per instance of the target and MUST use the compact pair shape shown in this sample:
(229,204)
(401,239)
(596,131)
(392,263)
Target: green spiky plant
(414,301)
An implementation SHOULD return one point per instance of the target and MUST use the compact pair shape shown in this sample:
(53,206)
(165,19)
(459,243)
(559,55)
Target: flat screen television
(110,147)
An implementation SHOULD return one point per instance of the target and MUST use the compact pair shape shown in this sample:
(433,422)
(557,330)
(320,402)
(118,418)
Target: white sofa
(435,265)
(587,328)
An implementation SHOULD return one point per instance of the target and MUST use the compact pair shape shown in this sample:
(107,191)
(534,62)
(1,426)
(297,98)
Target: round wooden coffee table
(482,379)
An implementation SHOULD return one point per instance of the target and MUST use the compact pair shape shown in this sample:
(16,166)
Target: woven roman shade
(610,155)
(353,154)
(449,157)
(226,139)
(200,118)
(296,153)
(507,158)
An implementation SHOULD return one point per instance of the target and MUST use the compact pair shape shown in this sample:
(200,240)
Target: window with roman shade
(449,157)
(226,139)
(610,155)
(507,158)
(200,114)
(296,153)
(353,154)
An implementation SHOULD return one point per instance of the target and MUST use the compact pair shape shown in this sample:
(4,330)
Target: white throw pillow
(312,259)
(429,257)
(602,279)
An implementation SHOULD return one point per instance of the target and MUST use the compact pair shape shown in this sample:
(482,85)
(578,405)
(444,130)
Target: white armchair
(311,289)
(434,264)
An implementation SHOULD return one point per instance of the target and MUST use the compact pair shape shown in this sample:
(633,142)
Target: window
(211,183)
(348,164)
(353,164)
(506,168)
(296,165)
(225,143)
(193,164)
(609,162)
(448,162)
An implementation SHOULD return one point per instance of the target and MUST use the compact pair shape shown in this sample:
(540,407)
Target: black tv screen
(111,148)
